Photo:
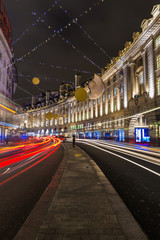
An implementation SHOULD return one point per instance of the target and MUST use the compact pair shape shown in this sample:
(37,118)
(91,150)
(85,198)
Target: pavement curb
(31,226)
(128,223)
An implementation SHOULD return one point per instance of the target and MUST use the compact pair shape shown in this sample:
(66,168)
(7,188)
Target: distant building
(129,109)
(8,77)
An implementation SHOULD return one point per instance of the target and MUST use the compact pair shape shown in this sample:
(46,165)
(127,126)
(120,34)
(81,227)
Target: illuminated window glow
(158,86)
(157,41)
(158,61)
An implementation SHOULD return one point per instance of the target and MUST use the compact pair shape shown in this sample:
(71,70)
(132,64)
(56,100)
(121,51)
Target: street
(134,173)
(25,173)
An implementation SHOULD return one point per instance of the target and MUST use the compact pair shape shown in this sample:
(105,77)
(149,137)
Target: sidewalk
(80,204)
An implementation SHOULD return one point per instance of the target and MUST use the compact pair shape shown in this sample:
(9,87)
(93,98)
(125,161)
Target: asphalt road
(19,195)
(139,187)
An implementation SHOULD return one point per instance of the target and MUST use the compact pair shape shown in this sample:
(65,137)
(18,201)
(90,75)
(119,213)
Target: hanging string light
(56,32)
(31,76)
(79,51)
(84,31)
(39,19)
(62,67)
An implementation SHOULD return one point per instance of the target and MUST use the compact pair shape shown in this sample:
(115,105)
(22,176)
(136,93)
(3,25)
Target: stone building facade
(8,79)
(129,108)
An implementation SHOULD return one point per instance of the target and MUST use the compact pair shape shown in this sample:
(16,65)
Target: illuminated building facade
(129,108)
(8,79)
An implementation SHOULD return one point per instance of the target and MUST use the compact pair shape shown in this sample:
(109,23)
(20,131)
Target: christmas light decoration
(35,81)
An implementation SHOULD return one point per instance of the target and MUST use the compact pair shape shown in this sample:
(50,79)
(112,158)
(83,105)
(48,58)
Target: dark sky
(110,24)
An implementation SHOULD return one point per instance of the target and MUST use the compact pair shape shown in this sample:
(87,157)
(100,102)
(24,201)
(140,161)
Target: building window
(98,100)
(115,106)
(103,109)
(89,114)
(109,94)
(158,86)
(82,107)
(141,90)
(109,108)
(157,41)
(109,83)
(114,78)
(81,116)
(98,111)
(85,105)
(158,61)
(85,115)
(115,91)
(121,73)
(89,103)
(103,97)
(122,103)
(94,102)
(121,87)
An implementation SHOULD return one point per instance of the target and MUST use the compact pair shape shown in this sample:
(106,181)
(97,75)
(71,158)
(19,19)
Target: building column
(91,109)
(144,71)
(101,106)
(106,101)
(112,100)
(150,55)
(125,70)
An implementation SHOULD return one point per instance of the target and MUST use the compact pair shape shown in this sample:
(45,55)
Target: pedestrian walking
(74,139)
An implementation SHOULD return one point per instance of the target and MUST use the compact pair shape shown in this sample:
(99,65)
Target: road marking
(5,171)
(78,155)
(126,159)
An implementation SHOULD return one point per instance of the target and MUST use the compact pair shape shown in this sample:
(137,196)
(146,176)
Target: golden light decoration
(55,116)
(80,94)
(49,116)
(35,81)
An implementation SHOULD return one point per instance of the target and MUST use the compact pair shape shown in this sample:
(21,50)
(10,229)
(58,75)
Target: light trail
(119,156)
(133,154)
(29,167)
(7,108)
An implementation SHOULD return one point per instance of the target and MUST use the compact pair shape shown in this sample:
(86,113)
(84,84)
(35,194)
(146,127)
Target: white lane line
(126,159)
(5,171)
(129,148)
(145,158)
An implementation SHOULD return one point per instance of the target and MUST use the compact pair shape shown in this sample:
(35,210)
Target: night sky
(110,24)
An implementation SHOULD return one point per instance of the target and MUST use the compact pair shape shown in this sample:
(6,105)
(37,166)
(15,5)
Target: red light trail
(26,156)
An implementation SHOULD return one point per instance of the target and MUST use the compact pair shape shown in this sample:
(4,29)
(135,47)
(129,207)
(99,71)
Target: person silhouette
(74,139)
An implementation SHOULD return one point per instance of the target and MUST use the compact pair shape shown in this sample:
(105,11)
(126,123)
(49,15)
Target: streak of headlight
(126,159)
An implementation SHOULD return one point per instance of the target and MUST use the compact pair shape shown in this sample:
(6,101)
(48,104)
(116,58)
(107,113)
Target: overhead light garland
(57,32)
(83,55)
(85,32)
(62,67)
(39,19)
(31,76)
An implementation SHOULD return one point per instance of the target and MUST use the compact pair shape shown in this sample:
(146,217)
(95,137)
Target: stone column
(144,71)
(125,70)
(150,69)
(91,108)
(133,80)
(106,101)
(101,106)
